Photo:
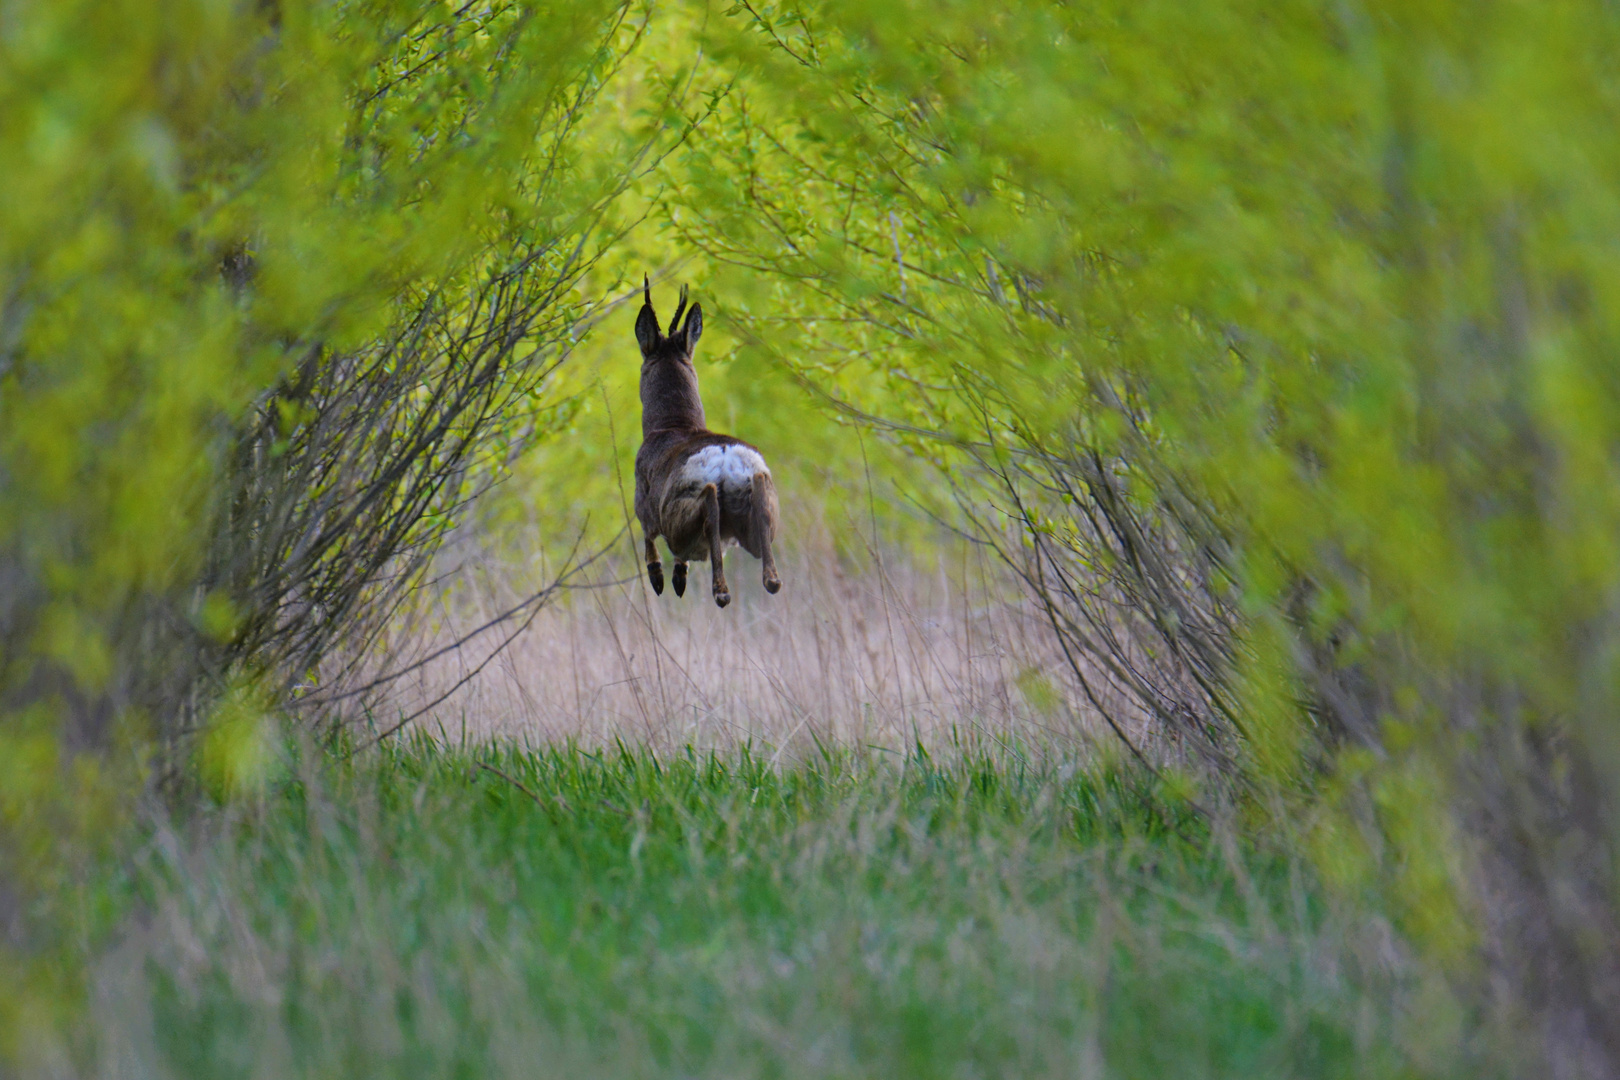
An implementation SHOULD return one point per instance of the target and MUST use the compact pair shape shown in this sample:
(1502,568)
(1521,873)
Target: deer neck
(669,400)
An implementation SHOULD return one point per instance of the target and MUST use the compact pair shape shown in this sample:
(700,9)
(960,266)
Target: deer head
(669,386)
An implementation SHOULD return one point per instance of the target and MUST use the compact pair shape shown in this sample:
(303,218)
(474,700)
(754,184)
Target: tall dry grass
(874,648)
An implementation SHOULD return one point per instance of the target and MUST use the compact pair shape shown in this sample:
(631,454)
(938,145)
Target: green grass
(493,912)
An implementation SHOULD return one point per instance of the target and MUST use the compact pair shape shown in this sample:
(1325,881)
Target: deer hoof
(678,579)
(655,574)
(773,585)
(721,597)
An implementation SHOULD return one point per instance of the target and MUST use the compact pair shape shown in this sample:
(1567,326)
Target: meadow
(884,646)
(487,910)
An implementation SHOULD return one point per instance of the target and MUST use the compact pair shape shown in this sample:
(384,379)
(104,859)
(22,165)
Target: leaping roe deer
(696,488)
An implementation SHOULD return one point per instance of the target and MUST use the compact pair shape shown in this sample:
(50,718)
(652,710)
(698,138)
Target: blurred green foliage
(1330,284)
(198,196)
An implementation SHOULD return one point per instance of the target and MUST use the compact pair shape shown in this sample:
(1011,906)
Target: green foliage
(1315,296)
(202,198)
(237,755)
(497,912)
(842,481)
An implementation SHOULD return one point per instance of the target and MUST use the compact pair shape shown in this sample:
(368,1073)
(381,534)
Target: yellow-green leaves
(200,197)
(1331,285)
(240,749)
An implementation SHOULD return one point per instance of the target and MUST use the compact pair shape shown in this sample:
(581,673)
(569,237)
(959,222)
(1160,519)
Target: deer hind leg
(655,569)
(677,577)
(763,510)
(711,514)
(773,583)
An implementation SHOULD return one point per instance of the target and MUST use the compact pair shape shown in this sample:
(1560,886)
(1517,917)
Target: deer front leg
(678,577)
(655,569)
(711,513)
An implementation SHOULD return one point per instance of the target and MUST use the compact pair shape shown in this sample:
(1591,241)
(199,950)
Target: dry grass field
(874,650)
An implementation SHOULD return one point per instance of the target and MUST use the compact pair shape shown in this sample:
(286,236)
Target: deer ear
(694,327)
(646,330)
(647,321)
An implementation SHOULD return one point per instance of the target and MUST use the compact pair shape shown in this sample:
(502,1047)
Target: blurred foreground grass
(489,911)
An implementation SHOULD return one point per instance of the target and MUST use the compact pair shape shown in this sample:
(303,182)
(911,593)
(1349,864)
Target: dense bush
(280,285)
(1283,338)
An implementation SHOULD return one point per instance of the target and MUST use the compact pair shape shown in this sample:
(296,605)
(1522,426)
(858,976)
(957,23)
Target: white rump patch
(729,466)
